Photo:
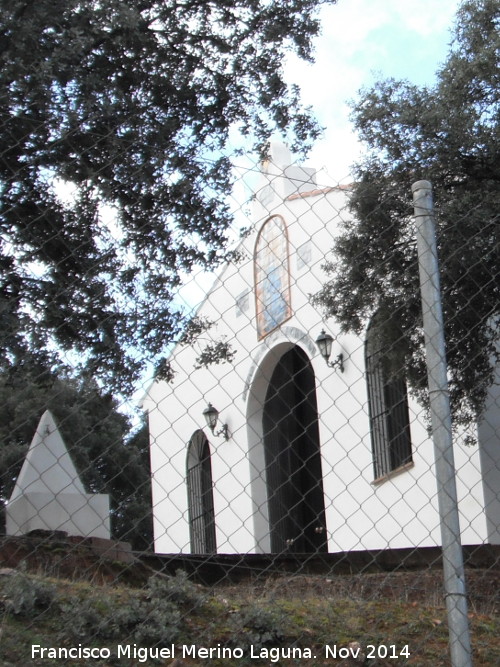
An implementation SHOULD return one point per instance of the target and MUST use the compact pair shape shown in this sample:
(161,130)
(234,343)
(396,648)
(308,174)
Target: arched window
(272,276)
(388,409)
(200,495)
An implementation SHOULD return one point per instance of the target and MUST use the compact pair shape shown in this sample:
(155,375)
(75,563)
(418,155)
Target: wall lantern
(324,342)
(211,415)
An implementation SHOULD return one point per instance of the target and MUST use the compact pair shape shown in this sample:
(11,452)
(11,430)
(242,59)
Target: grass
(287,620)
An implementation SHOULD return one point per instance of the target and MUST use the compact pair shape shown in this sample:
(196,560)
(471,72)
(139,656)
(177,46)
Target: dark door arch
(200,495)
(292,457)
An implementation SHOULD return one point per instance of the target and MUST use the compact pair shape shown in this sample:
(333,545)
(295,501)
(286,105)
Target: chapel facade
(306,456)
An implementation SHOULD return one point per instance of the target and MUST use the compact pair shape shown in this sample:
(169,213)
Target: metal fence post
(453,567)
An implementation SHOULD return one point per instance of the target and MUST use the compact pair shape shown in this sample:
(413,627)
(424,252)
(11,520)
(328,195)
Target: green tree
(109,456)
(135,104)
(448,133)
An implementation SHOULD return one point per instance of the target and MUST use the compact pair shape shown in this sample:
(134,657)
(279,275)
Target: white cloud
(363,40)
(427,17)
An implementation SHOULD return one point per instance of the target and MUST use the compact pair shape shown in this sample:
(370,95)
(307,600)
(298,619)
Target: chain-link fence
(281,504)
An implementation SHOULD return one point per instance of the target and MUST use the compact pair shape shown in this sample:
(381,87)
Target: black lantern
(211,415)
(324,342)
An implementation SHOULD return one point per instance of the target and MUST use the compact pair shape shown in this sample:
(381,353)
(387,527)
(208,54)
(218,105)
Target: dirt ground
(483,587)
(56,557)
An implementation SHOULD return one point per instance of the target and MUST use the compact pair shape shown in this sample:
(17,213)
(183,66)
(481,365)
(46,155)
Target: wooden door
(292,455)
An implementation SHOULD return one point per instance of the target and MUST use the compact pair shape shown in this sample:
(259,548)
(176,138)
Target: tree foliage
(109,457)
(129,105)
(448,133)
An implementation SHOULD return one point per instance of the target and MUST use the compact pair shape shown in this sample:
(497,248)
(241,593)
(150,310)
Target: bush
(258,626)
(178,589)
(85,619)
(24,594)
(154,618)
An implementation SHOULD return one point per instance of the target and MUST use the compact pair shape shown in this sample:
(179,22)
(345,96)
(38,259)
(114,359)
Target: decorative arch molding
(285,334)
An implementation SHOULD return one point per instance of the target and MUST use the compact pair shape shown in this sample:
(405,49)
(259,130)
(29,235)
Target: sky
(362,41)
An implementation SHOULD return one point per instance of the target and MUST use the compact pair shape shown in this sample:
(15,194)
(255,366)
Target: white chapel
(307,452)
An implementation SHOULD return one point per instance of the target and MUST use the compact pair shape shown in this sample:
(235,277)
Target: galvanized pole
(453,567)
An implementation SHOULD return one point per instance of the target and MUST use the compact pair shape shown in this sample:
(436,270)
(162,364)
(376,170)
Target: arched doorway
(200,495)
(292,457)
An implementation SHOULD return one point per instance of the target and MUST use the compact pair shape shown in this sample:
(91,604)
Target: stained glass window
(272,276)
